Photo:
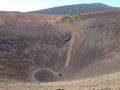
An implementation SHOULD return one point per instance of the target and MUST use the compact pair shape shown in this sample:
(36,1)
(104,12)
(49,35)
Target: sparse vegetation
(69,18)
(8,22)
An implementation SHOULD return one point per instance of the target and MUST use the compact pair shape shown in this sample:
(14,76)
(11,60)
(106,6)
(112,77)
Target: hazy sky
(29,5)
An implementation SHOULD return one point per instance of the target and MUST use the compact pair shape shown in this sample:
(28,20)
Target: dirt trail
(69,53)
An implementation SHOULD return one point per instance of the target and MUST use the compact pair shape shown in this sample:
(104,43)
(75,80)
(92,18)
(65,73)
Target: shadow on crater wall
(45,76)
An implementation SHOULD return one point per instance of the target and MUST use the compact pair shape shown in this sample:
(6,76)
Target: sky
(31,5)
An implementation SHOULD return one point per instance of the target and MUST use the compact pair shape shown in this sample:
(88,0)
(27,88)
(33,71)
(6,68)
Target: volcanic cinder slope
(33,53)
(26,19)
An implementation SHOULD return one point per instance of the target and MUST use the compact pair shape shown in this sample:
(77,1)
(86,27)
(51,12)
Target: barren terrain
(84,54)
(104,82)
(18,19)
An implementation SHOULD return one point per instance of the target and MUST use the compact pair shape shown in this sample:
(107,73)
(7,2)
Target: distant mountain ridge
(71,9)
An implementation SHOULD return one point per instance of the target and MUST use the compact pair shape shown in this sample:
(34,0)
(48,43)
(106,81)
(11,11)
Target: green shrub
(69,18)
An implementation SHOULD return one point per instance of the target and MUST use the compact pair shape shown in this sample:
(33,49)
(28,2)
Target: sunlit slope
(97,51)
